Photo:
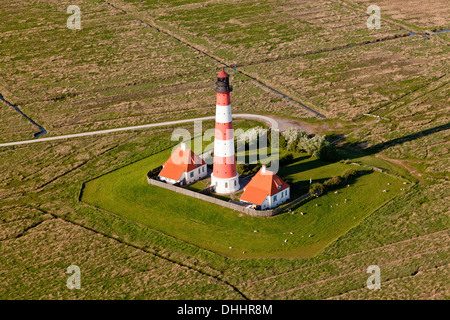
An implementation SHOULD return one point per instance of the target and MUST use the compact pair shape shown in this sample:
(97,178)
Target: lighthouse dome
(222,74)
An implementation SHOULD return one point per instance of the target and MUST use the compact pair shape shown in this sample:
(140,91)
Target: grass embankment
(126,193)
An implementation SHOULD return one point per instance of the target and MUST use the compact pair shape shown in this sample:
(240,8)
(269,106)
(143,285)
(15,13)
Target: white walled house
(184,167)
(266,190)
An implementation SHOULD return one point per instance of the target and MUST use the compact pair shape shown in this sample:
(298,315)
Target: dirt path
(273,123)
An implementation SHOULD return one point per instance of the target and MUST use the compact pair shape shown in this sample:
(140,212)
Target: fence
(197,195)
(291,204)
(203,195)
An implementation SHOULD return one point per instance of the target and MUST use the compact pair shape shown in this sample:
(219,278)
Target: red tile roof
(263,185)
(179,162)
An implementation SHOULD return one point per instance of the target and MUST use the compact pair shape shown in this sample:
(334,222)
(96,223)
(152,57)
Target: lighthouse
(224,177)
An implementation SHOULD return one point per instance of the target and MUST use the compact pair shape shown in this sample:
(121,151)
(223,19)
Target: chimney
(263,169)
(183,146)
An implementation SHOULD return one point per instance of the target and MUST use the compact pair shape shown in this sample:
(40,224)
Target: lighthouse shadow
(300,165)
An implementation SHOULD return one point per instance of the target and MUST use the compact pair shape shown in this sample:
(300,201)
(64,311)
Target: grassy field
(115,71)
(248,32)
(363,80)
(137,62)
(125,192)
(40,185)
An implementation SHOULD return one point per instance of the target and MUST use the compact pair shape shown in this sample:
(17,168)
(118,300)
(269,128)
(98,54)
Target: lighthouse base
(225,185)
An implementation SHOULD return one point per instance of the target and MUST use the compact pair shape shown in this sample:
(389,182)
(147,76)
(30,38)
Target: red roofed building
(183,166)
(266,190)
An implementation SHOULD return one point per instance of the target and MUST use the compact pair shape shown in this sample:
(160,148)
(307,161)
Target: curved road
(272,122)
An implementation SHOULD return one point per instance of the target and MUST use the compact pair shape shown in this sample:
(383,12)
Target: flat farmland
(110,269)
(22,129)
(136,62)
(348,83)
(247,32)
(429,15)
(416,137)
(115,71)
(40,209)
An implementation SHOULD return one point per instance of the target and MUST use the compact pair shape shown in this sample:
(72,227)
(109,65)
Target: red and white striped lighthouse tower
(224,178)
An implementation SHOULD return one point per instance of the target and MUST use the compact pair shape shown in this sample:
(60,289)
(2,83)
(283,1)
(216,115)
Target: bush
(286,159)
(328,152)
(292,136)
(241,168)
(256,168)
(247,169)
(311,145)
(349,173)
(316,188)
(251,136)
(332,183)
(282,143)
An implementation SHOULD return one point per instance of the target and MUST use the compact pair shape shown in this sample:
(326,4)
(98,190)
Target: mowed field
(126,192)
(136,62)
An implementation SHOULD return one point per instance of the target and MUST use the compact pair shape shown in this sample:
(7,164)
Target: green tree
(316,188)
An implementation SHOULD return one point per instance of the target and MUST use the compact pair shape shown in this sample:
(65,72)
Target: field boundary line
(338,48)
(445,248)
(155,254)
(346,256)
(169,33)
(393,280)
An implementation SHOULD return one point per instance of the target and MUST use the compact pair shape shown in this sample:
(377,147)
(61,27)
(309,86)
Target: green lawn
(126,193)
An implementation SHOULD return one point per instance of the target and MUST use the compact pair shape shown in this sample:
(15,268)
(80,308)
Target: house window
(192,174)
(203,169)
(226,184)
(274,198)
(235,183)
(198,170)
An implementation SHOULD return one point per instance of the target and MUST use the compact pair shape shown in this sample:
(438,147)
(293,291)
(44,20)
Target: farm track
(181,264)
(273,124)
